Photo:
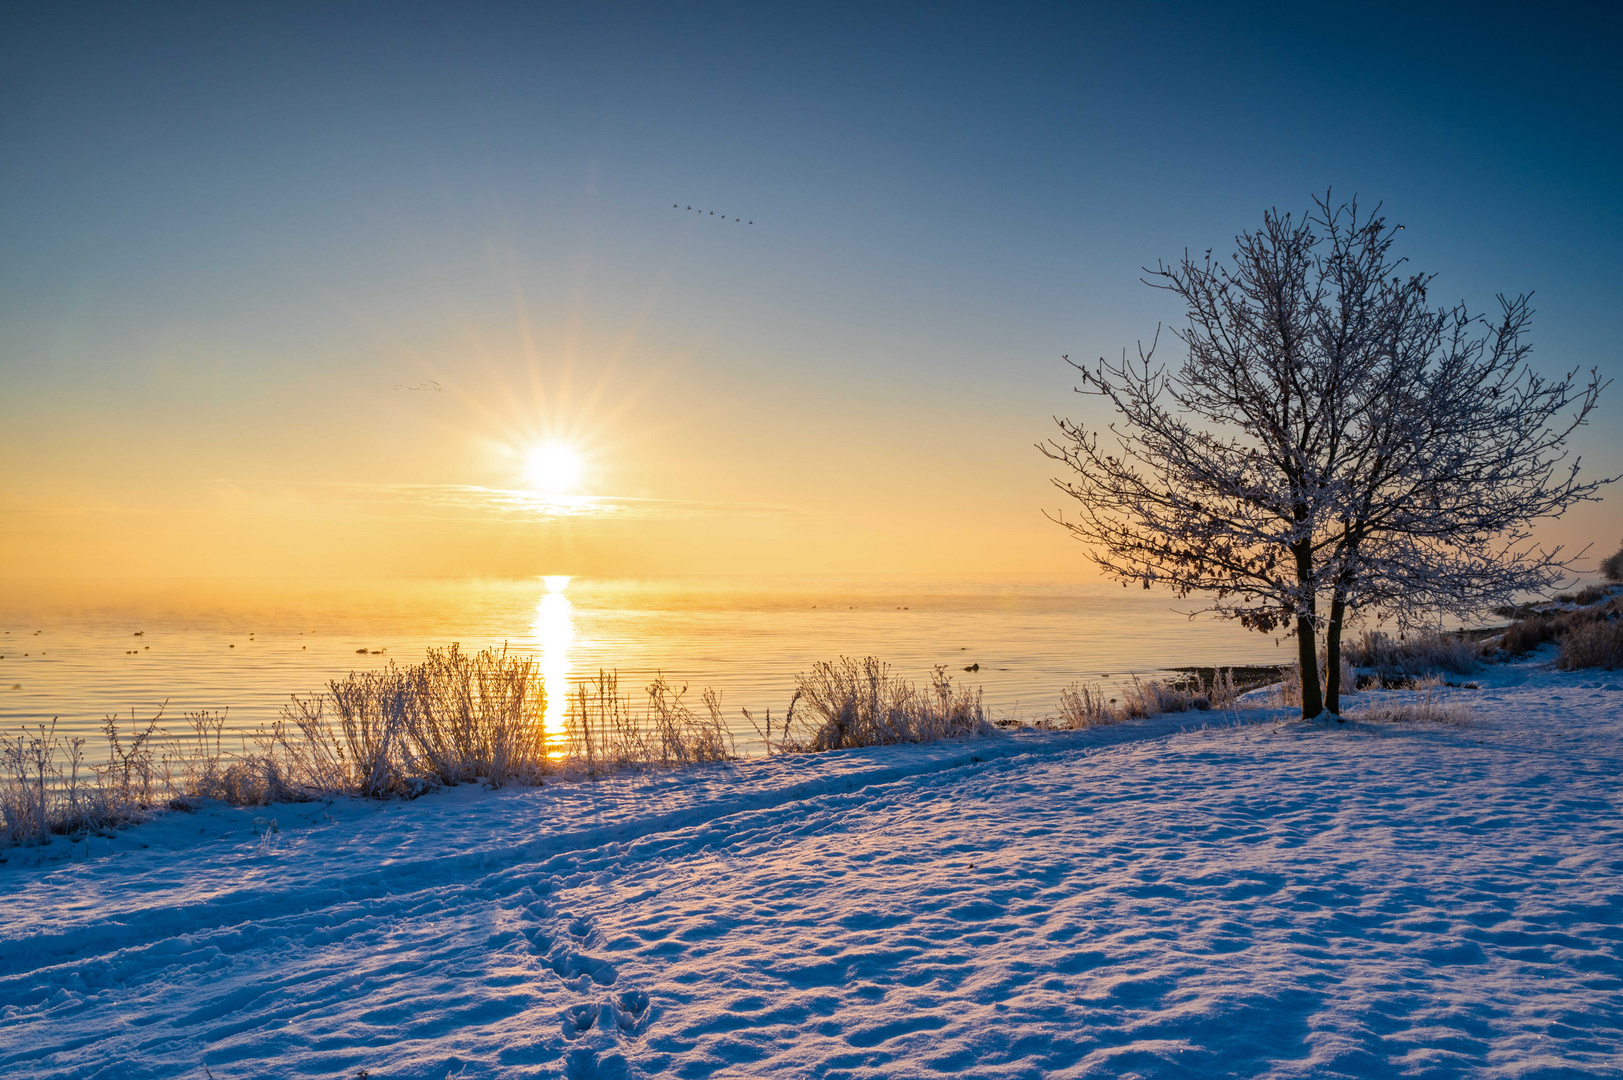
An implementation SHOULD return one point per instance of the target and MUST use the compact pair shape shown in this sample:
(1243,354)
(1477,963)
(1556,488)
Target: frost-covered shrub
(1611,567)
(603,734)
(454,718)
(1084,706)
(46,787)
(1415,655)
(1429,704)
(1597,644)
(852,702)
(1529,633)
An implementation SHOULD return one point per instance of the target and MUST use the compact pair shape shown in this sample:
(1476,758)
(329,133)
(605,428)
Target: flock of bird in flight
(678,206)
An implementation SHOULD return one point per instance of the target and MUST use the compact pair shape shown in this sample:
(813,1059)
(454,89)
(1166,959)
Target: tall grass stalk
(1429,704)
(1085,705)
(1597,644)
(454,718)
(849,702)
(1419,654)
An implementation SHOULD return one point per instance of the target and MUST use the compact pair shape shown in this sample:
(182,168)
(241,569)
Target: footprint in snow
(631,1011)
(584,1064)
(626,1014)
(581,970)
(579,1019)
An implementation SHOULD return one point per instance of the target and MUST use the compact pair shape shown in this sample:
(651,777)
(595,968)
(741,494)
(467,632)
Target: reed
(454,718)
(849,702)
(1085,705)
(1430,703)
(1397,659)
(1597,644)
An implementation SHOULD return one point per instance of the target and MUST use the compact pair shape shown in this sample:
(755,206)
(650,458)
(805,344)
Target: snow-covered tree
(1329,436)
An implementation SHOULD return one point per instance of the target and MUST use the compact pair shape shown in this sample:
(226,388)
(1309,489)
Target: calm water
(80,654)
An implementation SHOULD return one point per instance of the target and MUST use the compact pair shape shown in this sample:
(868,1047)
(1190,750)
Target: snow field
(1153,899)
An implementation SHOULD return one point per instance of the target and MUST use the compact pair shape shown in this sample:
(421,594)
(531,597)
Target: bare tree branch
(1329,435)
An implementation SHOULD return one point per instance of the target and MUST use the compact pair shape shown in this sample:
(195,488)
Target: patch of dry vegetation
(1611,567)
(1400,659)
(1430,703)
(602,733)
(1589,624)
(1594,644)
(1085,705)
(850,702)
(453,719)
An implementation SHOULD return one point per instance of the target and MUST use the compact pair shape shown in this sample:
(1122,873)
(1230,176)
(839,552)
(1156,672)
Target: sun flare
(552,468)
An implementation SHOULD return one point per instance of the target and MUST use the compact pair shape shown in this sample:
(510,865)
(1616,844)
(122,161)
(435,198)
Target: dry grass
(1597,644)
(603,735)
(1429,703)
(397,732)
(1404,658)
(1085,705)
(1528,633)
(1611,567)
(851,702)
(47,787)
(452,719)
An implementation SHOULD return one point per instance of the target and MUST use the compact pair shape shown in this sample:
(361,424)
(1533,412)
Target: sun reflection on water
(555,634)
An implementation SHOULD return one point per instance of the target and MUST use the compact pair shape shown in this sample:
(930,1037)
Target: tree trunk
(1332,653)
(1306,638)
(1312,702)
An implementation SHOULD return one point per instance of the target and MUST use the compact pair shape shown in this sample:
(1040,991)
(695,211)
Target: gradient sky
(234,238)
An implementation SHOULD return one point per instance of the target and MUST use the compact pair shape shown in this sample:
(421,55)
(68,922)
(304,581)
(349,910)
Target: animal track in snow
(579,1019)
(631,1011)
(584,1064)
(572,966)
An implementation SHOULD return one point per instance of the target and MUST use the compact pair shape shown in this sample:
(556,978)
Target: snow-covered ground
(1154,899)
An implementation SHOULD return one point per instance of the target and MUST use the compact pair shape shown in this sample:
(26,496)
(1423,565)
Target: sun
(552,468)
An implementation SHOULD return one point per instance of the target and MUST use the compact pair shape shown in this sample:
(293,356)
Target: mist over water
(80,653)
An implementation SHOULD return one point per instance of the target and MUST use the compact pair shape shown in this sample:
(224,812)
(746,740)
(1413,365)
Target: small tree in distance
(1330,436)
(1611,567)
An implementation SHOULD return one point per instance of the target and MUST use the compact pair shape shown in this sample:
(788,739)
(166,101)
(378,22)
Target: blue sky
(226,235)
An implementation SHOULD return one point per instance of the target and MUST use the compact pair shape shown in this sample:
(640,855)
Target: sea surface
(79,654)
